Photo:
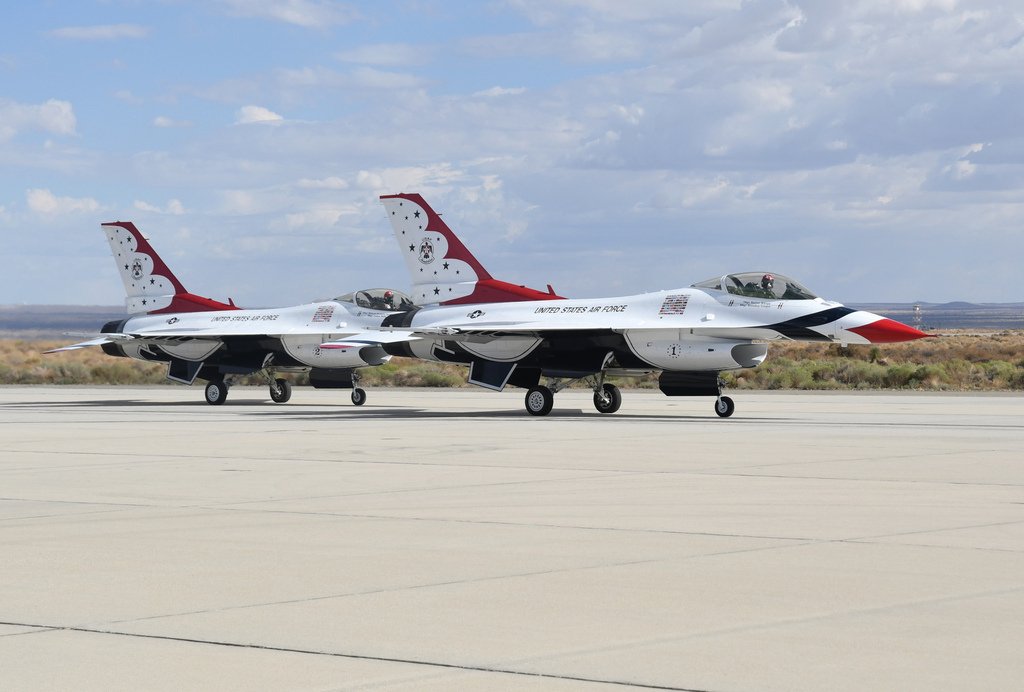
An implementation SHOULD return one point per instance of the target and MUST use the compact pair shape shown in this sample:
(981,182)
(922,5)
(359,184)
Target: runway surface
(445,540)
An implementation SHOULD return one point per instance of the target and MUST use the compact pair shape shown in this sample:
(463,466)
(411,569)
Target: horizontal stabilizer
(96,340)
(85,344)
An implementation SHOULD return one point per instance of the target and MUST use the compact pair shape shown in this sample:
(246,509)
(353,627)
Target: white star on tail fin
(443,270)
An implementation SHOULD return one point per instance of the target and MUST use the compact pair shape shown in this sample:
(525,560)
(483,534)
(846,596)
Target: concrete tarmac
(445,540)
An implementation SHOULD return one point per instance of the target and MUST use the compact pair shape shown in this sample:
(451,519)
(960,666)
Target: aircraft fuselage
(683,329)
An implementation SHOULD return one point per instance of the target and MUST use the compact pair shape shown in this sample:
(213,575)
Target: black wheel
(358,396)
(280,391)
(724,406)
(539,401)
(608,399)
(216,392)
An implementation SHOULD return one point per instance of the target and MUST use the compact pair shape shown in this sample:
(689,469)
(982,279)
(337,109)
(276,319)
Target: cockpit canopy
(378,299)
(767,285)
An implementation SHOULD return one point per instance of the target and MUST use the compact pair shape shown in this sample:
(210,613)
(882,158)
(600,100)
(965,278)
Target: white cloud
(410,178)
(322,217)
(366,180)
(370,78)
(310,14)
(329,183)
(387,54)
(57,117)
(104,32)
(255,114)
(174,207)
(164,121)
(45,202)
(128,97)
(501,91)
(363,78)
(243,202)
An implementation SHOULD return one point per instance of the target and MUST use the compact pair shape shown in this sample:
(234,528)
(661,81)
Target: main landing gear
(216,392)
(540,399)
(280,389)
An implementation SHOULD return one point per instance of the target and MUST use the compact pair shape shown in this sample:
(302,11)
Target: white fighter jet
(512,335)
(205,339)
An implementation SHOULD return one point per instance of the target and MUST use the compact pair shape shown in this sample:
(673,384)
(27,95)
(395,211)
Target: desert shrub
(901,376)
(999,373)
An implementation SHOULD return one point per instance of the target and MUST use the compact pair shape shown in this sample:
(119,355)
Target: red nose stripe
(886,331)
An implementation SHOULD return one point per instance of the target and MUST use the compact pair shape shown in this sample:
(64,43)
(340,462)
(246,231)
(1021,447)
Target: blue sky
(872,149)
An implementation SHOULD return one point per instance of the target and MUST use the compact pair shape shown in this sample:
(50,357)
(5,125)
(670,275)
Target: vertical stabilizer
(150,285)
(443,270)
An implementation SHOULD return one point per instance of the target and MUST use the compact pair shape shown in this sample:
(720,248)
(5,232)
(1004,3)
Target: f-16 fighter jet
(513,335)
(201,338)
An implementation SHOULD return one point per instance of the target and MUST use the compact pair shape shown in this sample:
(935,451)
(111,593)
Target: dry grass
(952,361)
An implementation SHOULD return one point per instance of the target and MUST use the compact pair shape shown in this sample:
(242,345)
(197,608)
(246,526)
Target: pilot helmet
(767,281)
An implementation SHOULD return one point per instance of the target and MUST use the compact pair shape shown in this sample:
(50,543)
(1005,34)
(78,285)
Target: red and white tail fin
(150,285)
(443,270)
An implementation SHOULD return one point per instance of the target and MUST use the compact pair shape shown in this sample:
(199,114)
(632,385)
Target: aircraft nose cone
(886,331)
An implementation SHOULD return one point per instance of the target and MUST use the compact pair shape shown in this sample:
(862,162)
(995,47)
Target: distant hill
(955,315)
(52,321)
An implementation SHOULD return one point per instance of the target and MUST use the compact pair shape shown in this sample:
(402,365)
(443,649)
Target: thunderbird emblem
(137,269)
(426,251)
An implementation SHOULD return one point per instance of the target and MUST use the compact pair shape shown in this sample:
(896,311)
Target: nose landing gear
(280,390)
(607,398)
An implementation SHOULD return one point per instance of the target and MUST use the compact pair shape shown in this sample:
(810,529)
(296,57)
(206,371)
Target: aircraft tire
(358,396)
(280,391)
(608,400)
(724,406)
(216,392)
(539,401)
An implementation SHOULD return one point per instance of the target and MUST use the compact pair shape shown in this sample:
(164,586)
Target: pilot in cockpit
(767,284)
